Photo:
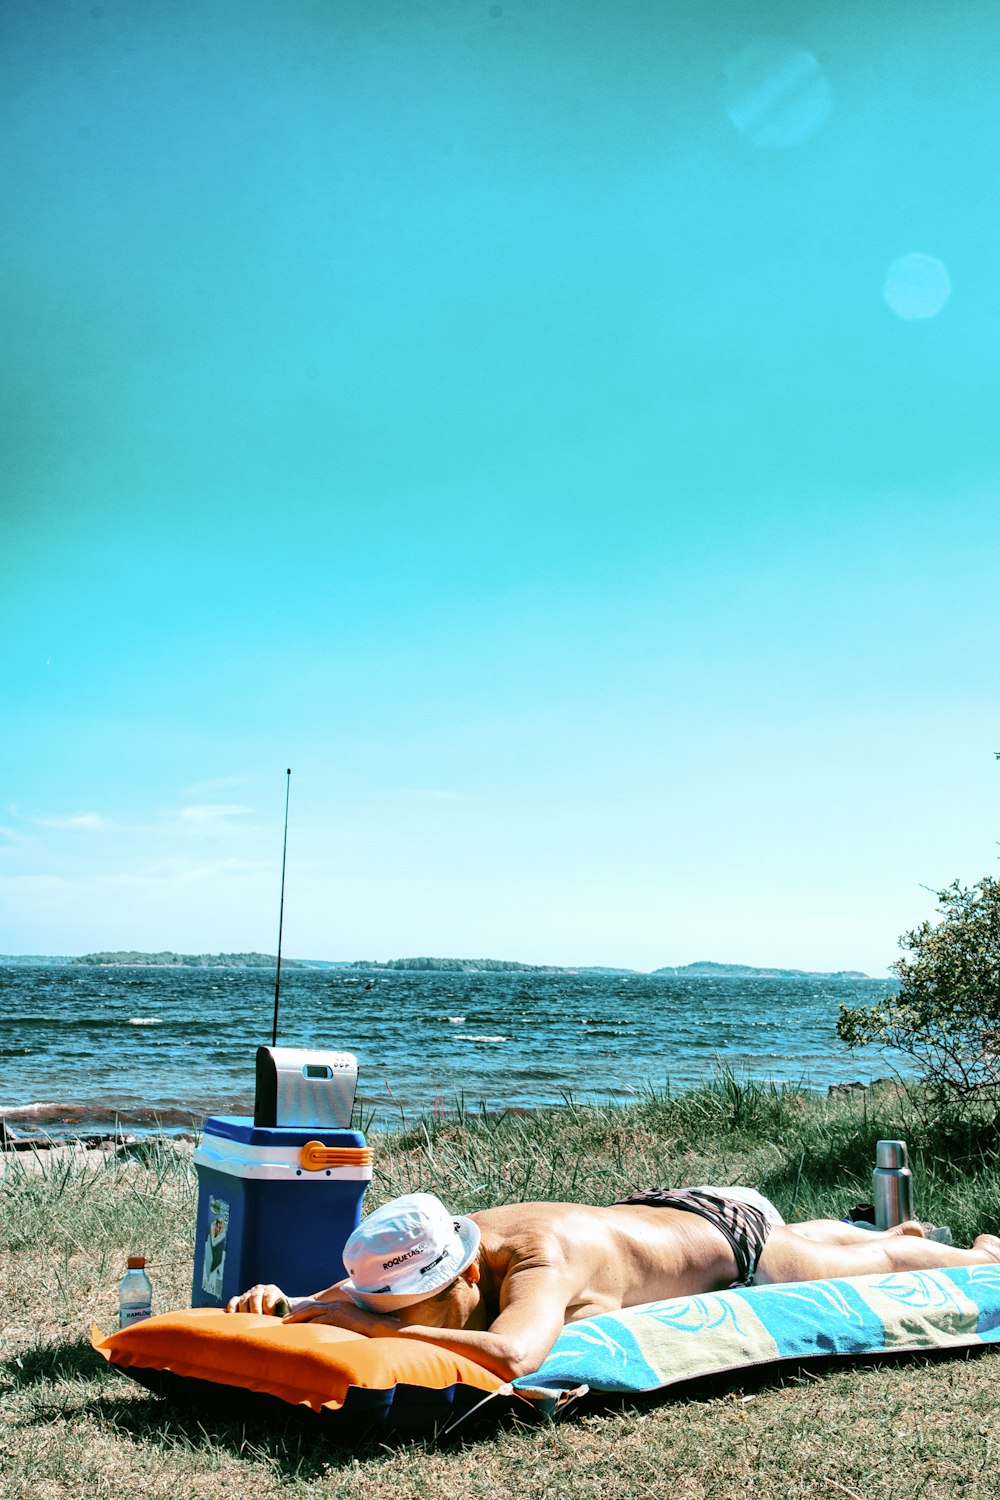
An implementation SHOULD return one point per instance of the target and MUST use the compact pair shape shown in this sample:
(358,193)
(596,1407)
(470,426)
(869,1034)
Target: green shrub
(946,1015)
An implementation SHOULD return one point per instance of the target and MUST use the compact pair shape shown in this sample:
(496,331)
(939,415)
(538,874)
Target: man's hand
(269,1299)
(337,1308)
(332,1306)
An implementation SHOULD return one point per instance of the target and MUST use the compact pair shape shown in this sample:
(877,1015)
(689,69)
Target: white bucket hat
(406,1251)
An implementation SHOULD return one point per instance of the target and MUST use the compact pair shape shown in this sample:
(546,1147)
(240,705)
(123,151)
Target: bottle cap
(136,1262)
(890,1155)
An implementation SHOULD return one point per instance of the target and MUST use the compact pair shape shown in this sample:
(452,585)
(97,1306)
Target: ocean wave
(455,1020)
(97,1112)
(31,1111)
(467,1036)
(194,1025)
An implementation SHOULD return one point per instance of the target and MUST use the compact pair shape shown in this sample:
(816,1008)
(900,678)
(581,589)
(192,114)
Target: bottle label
(134,1315)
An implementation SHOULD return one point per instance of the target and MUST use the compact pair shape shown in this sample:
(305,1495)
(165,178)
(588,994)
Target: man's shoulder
(539,1214)
(537,1233)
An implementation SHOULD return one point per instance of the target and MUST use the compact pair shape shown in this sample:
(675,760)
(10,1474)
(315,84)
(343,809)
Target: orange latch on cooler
(315,1156)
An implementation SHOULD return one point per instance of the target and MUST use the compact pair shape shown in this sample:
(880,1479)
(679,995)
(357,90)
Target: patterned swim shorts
(744,1226)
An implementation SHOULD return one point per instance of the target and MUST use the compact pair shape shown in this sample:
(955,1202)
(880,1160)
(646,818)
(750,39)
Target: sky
(565,434)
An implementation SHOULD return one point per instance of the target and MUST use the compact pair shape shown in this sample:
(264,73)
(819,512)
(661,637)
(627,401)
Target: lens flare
(917,286)
(777,95)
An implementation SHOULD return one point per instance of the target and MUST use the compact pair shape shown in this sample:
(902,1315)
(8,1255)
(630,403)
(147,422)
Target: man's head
(413,1251)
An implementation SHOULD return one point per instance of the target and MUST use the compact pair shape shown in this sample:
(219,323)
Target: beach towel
(664,1344)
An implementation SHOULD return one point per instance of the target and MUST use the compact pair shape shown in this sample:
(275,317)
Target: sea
(140,1049)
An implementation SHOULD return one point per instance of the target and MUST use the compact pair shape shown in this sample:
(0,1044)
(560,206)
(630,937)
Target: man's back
(591,1260)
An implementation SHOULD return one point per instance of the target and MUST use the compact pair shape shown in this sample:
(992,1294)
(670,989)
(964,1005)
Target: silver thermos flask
(892,1185)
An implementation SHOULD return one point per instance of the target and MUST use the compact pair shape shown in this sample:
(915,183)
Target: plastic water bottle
(135,1294)
(892,1185)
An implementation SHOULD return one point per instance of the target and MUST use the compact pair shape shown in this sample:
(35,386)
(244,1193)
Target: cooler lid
(242,1128)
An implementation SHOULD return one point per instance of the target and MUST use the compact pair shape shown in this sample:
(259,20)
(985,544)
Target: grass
(70,1427)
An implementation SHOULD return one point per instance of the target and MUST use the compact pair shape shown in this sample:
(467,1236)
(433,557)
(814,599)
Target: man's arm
(270,1299)
(496,1351)
(509,1347)
(534,1298)
(533,1301)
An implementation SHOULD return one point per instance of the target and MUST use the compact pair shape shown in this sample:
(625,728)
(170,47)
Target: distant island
(706,970)
(169,960)
(462,966)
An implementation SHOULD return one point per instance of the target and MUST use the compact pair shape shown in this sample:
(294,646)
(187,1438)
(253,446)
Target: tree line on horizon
(167,958)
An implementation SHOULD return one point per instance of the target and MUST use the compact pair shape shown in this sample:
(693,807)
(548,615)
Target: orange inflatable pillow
(304,1364)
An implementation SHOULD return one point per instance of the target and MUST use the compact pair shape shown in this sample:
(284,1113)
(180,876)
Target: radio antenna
(281,910)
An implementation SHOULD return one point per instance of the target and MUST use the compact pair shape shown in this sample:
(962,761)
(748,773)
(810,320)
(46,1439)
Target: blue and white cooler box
(275,1204)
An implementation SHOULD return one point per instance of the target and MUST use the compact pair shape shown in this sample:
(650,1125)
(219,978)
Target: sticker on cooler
(214,1263)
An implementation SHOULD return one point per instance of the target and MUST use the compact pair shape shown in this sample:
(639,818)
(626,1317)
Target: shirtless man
(499,1285)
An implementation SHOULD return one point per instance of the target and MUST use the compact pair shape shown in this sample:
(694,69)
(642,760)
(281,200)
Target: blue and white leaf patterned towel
(663,1343)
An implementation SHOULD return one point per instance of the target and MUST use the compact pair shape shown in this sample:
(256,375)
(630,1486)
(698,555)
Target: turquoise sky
(564,433)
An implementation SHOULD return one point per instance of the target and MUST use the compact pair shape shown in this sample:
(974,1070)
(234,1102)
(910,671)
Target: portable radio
(296,1086)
